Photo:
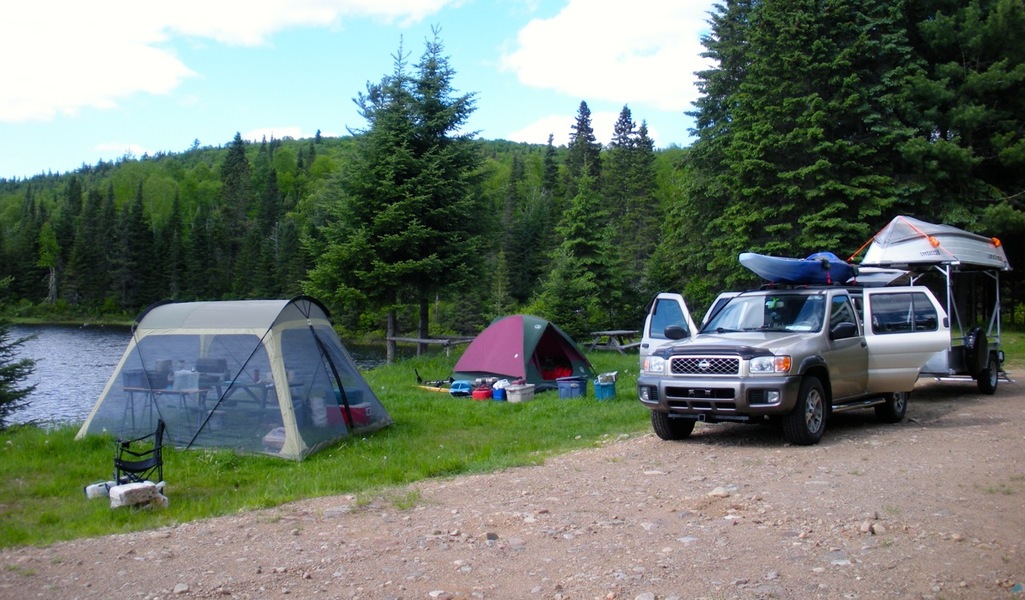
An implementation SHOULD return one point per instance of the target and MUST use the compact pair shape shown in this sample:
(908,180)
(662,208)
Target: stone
(136,494)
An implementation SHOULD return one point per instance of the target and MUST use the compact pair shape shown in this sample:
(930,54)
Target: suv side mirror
(675,332)
(842,331)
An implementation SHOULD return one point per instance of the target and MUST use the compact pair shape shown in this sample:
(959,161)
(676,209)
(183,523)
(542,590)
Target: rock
(181,588)
(719,492)
(136,494)
(337,511)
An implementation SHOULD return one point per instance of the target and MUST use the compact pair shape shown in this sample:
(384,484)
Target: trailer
(966,268)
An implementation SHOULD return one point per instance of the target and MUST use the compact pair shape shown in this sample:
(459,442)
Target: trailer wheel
(988,376)
(894,408)
(668,428)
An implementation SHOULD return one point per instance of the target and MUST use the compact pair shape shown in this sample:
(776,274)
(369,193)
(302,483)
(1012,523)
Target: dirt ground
(933,507)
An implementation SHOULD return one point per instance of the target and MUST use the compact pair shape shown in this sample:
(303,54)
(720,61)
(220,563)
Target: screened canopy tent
(264,376)
(523,347)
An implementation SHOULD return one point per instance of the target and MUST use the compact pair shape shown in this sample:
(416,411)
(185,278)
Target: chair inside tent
(262,376)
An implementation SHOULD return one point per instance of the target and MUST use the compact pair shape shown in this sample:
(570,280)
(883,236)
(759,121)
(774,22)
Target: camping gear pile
(261,376)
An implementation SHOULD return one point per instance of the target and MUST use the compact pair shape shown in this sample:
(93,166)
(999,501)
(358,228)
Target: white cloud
(65,55)
(602,122)
(642,53)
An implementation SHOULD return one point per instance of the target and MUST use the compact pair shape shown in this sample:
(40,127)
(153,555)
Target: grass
(43,472)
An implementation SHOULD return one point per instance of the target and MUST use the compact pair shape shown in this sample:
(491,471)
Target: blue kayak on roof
(818,268)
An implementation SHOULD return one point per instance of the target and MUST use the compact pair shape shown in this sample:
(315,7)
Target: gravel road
(930,508)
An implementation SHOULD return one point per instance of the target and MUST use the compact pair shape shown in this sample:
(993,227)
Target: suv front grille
(704,365)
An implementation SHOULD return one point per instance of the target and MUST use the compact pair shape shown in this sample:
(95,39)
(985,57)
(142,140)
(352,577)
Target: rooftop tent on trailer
(968,266)
(263,376)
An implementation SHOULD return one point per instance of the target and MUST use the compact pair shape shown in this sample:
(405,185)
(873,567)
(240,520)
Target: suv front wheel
(804,425)
(668,428)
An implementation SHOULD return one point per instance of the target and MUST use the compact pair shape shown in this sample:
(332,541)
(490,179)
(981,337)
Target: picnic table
(619,340)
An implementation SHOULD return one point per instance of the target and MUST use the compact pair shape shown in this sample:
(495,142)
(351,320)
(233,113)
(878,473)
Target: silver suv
(795,354)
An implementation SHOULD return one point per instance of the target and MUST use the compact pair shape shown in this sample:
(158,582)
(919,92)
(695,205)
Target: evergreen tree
(583,157)
(135,272)
(550,181)
(582,290)
(28,280)
(402,229)
(172,249)
(800,149)
(13,373)
(232,213)
(969,151)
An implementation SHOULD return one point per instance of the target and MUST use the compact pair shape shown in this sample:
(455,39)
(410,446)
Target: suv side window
(903,312)
(840,311)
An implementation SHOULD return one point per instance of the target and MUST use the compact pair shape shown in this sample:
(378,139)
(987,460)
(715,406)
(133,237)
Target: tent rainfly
(263,376)
(523,347)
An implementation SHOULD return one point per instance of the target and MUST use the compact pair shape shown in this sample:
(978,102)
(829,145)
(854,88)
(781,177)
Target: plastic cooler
(519,393)
(603,390)
(572,387)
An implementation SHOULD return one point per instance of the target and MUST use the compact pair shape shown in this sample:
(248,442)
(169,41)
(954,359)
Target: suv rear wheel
(668,428)
(893,409)
(804,425)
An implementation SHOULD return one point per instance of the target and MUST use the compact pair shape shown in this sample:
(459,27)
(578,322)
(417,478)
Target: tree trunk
(51,286)
(423,325)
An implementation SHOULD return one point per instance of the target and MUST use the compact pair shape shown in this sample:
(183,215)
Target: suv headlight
(769,365)
(653,365)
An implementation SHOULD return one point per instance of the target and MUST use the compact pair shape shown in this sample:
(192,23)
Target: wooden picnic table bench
(619,340)
(447,343)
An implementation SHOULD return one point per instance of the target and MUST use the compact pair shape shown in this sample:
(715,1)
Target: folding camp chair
(132,465)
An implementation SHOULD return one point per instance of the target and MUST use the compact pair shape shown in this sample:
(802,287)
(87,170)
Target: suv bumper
(714,399)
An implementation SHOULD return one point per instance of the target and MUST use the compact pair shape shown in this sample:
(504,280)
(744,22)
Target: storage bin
(572,387)
(274,440)
(604,391)
(186,380)
(519,393)
(134,378)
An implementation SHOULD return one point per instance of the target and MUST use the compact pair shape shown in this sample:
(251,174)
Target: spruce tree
(402,226)
(583,156)
(13,373)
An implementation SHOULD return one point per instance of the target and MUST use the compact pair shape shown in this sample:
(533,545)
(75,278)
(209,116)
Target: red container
(483,393)
(361,414)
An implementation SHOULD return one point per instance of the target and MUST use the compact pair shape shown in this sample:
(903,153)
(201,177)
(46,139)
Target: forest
(818,123)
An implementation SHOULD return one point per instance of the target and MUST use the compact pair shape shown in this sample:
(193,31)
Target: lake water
(73,364)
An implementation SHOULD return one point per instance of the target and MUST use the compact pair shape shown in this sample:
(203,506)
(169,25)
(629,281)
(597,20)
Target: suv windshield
(776,312)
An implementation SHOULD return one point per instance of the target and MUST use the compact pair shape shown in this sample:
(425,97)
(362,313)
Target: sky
(91,81)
